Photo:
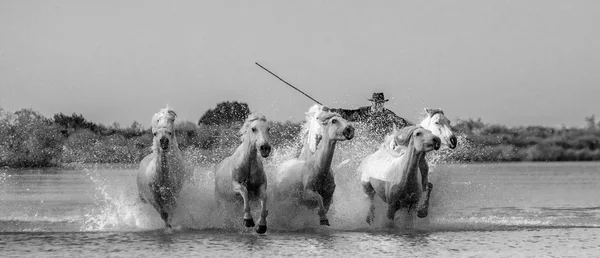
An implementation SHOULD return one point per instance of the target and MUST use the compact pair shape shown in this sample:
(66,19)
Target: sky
(506,62)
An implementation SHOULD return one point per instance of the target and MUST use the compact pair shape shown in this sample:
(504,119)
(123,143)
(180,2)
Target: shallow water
(481,210)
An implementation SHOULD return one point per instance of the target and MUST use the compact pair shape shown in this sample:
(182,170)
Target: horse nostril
(265,149)
(164,142)
(453,141)
(349,132)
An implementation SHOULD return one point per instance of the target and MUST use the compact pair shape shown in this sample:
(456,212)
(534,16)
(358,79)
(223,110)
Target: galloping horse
(161,174)
(242,173)
(311,181)
(393,173)
(436,122)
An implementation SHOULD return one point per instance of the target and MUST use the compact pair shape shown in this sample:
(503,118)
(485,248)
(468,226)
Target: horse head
(256,131)
(335,126)
(436,122)
(163,129)
(420,138)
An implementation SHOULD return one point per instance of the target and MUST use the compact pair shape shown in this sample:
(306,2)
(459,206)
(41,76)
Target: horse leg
(164,215)
(391,213)
(427,186)
(308,195)
(238,188)
(143,199)
(423,210)
(262,222)
(370,191)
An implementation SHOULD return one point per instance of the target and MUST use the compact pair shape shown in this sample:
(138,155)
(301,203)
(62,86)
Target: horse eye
(154,134)
(419,134)
(170,133)
(437,123)
(334,121)
(254,130)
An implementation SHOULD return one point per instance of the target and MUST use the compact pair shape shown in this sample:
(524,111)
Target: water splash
(117,206)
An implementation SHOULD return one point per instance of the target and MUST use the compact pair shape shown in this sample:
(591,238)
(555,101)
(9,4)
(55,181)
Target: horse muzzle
(164,143)
(265,150)
(348,132)
(437,143)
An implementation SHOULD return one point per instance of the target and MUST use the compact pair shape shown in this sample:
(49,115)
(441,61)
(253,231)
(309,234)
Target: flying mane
(425,116)
(398,138)
(164,118)
(311,129)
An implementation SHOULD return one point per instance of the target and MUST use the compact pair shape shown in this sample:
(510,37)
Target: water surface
(481,210)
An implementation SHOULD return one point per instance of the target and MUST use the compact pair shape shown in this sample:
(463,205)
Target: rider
(377,116)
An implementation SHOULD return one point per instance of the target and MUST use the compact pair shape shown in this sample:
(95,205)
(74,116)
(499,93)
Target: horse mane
(312,129)
(164,118)
(390,142)
(429,113)
(399,137)
(326,115)
(251,118)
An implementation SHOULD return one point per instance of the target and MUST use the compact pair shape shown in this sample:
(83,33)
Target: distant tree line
(28,139)
(497,143)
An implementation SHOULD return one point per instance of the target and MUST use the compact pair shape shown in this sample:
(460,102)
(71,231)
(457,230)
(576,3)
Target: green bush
(28,139)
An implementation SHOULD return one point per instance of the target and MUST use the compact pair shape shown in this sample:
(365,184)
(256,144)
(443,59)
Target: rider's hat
(379,98)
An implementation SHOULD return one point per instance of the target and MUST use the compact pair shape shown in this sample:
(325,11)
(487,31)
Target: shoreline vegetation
(28,139)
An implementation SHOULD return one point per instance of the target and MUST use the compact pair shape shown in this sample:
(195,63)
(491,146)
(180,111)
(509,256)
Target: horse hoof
(249,223)
(261,229)
(422,213)
(325,222)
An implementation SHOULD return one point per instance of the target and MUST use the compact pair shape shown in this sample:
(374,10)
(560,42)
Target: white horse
(436,122)
(393,173)
(162,173)
(311,181)
(242,173)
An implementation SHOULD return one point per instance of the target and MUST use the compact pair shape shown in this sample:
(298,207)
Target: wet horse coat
(311,181)
(242,174)
(436,122)
(394,175)
(162,173)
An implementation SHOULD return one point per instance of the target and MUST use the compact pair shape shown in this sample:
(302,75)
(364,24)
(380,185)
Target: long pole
(288,83)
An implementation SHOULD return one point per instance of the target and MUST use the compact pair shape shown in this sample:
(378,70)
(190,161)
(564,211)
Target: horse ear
(172,112)
(429,111)
(394,143)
